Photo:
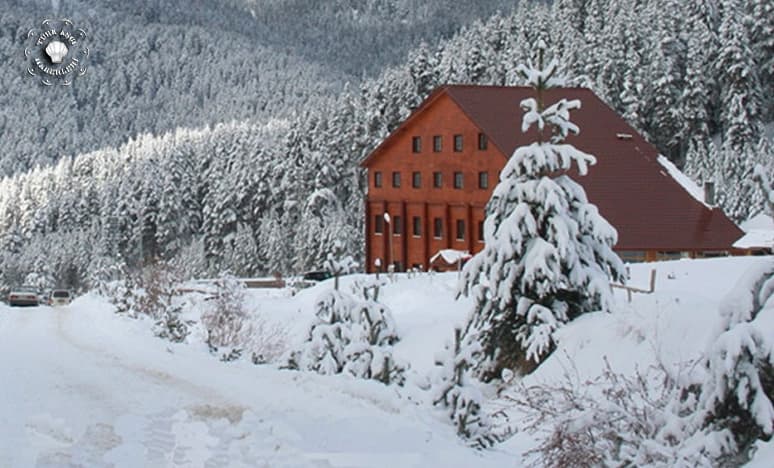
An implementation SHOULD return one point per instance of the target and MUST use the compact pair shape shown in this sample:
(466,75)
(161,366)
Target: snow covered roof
(756,240)
(759,222)
(639,196)
(451,256)
(759,233)
(685,182)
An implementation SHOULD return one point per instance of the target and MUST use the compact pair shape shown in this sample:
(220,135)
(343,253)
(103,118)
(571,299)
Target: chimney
(709,193)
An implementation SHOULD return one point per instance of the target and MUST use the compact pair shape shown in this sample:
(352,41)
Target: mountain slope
(157,65)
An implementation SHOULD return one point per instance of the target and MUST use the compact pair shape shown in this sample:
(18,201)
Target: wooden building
(435,173)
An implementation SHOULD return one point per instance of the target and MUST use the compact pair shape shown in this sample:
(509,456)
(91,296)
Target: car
(317,275)
(24,296)
(59,297)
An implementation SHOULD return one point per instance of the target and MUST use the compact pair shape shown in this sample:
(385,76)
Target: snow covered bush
(351,335)
(738,394)
(460,393)
(40,279)
(120,293)
(233,330)
(548,255)
(226,319)
(104,272)
(737,399)
(267,341)
(654,418)
(152,292)
(158,297)
(613,420)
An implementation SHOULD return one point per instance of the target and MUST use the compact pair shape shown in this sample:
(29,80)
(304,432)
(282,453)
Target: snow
(755,239)
(84,386)
(686,182)
(759,233)
(451,256)
(761,221)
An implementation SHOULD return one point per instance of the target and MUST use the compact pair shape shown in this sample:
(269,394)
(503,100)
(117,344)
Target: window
(437,143)
(483,180)
(631,256)
(416,179)
(438,228)
(417,225)
(377,179)
(671,255)
(460,229)
(458,180)
(437,179)
(457,143)
(379,224)
(396,179)
(416,144)
(397,225)
(481,231)
(482,141)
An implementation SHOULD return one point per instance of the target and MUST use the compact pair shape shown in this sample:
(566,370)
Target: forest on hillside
(272,195)
(158,65)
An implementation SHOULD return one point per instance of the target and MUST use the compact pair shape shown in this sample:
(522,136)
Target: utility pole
(391,264)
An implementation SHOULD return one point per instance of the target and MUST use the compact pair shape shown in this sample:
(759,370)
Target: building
(435,173)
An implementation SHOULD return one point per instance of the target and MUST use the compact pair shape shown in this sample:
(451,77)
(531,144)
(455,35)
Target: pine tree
(736,403)
(350,335)
(698,101)
(458,391)
(701,161)
(741,95)
(762,45)
(666,64)
(737,161)
(548,255)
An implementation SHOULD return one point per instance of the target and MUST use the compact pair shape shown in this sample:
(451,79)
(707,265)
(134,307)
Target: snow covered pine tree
(458,392)
(548,256)
(737,398)
(349,335)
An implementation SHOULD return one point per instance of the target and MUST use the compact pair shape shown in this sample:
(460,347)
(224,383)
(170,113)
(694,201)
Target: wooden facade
(434,175)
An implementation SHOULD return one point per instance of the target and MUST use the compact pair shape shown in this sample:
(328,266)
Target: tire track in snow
(159,377)
(201,434)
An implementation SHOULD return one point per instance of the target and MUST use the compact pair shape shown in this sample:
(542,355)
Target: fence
(631,289)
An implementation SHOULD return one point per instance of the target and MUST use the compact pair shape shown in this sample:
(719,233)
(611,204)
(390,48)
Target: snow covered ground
(81,386)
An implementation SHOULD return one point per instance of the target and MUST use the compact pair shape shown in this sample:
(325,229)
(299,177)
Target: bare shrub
(153,292)
(268,341)
(157,290)
(612,420)
(226,318)
(233,332)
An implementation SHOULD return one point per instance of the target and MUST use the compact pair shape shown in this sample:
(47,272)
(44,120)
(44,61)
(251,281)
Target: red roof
(633,191)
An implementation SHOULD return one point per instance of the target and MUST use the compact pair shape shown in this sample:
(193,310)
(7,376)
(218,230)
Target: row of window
(416,225)
(416,179)
(416,143)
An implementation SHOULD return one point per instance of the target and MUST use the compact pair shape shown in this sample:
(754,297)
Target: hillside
(158,65)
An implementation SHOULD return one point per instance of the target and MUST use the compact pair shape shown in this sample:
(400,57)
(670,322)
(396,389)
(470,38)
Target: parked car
(60,297)
(317,275)
(24,296)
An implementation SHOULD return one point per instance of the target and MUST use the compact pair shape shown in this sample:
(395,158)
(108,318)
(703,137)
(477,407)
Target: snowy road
(83,387)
